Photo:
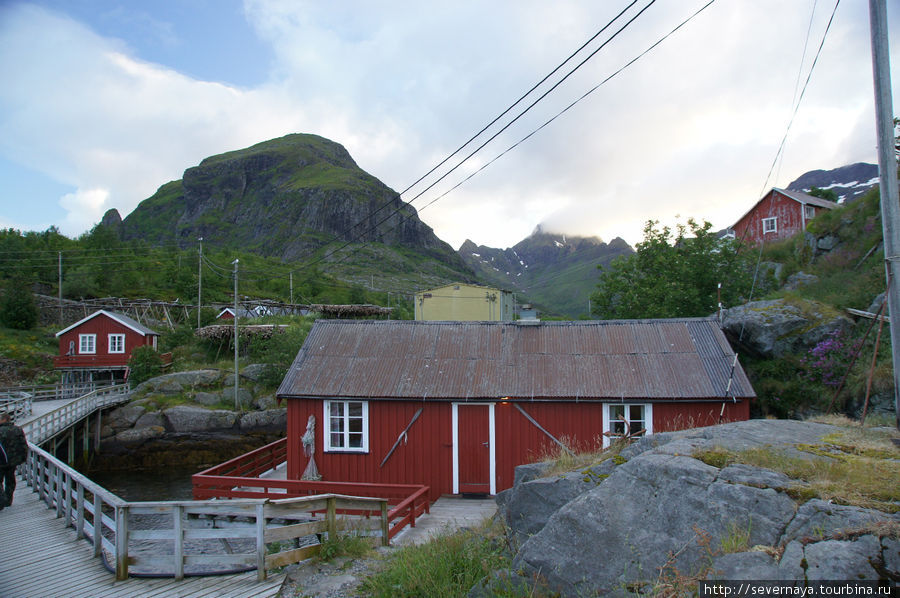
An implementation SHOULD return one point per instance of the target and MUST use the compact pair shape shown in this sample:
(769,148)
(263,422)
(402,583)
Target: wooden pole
(236,374)
(887,168)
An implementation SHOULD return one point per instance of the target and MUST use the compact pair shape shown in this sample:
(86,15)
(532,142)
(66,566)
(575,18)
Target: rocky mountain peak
(848,182)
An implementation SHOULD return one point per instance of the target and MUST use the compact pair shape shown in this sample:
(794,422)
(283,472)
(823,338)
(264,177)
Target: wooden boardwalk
(39,556)
(448,514)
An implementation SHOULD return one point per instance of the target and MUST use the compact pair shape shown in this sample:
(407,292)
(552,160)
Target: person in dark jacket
(13,450)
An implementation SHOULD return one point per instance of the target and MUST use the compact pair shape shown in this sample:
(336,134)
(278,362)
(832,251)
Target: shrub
(17,308)
(145,363)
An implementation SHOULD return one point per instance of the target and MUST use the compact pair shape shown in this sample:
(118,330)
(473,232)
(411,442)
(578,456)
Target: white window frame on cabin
(343,428)
(611,412)
(116,343)
(87,344)
(809,211)
(770,225)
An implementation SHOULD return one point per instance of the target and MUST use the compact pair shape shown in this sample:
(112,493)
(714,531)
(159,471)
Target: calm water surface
(170,483)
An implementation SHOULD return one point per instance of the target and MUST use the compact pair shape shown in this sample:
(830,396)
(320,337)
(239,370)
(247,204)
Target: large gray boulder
(270,419)
(528,505)
(177,382)
(185,418)
(776,328)
(124,417)
(819,519)
(646,517)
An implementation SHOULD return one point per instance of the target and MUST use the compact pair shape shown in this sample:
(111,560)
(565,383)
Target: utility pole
(199,282)
(236,404)
(292,287)
(59,284)
(887,168)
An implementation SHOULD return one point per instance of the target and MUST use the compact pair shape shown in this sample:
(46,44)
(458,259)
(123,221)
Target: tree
(669,277)
(828,194)
(17,307)
(144,363)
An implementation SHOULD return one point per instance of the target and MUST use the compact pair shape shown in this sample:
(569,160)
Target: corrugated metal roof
(679,359)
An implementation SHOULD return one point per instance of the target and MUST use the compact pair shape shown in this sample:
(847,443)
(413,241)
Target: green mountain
(556,272)
(300,198)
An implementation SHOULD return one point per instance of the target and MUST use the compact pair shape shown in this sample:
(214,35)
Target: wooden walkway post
(121,543)
(260,542)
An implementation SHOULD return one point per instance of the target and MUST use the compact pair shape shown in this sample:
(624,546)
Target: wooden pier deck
(40,556)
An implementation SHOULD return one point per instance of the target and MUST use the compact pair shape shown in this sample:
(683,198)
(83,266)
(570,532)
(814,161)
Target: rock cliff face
(558,272)
(657,513)
(285,197)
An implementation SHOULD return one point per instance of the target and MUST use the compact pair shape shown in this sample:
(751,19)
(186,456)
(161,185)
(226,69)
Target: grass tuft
(449,565)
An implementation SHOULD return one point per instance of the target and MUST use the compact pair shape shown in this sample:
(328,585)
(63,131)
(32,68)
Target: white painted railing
(16,404)
(107,521)
(56,421)
(50,392)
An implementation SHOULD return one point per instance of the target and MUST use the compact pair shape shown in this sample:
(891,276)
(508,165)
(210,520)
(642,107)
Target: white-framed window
(770,225)
(632,419)
(809,212)
(87,343)
(116,343)
(347,426)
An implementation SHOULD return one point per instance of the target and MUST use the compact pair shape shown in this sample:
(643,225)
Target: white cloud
(690,129)
(84,208)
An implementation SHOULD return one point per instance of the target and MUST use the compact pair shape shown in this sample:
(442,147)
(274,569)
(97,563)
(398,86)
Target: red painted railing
(239,478)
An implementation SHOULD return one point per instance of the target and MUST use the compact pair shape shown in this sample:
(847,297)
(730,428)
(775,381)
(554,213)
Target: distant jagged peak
(561,238)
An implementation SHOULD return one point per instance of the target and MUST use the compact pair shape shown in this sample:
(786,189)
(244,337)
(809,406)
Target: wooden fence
(58,420)
(240,478)
(266,525)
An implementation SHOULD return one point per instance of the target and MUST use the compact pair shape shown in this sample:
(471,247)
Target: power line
(494,121)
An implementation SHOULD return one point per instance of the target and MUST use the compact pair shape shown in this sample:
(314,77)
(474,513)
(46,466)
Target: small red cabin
(457,406)
(98,347)
(780,214)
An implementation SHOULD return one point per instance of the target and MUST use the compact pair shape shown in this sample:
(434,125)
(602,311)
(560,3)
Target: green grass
(34,350)
(856,466)
(447,566)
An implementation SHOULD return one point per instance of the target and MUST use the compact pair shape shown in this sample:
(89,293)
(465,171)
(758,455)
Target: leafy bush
(17,308)
(145,363)
(828,361)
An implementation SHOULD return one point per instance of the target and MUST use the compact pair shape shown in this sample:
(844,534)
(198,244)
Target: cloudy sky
(104,101)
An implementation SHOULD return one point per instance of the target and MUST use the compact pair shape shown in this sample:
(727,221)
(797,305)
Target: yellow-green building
(465,302)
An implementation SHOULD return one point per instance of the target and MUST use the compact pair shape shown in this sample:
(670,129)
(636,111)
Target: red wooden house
(780,214)
(98,347)
(457,405)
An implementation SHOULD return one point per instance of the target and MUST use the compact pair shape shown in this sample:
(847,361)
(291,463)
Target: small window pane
(616,411)
(355,409)
(337,440)
(618,427)
(337,409)
(636,412)
(356,440)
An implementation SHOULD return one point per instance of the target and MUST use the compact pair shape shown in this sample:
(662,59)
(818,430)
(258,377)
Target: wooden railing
(54,422)
(16,404)
(239,478)
(50,392)
(107,522)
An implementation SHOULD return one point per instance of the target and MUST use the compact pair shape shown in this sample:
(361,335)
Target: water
(167,483)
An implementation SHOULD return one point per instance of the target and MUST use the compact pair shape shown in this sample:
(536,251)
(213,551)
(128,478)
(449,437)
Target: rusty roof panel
(591,360)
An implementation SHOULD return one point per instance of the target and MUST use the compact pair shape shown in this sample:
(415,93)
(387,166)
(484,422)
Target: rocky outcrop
(657,511)
(207,398)
(772,329)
